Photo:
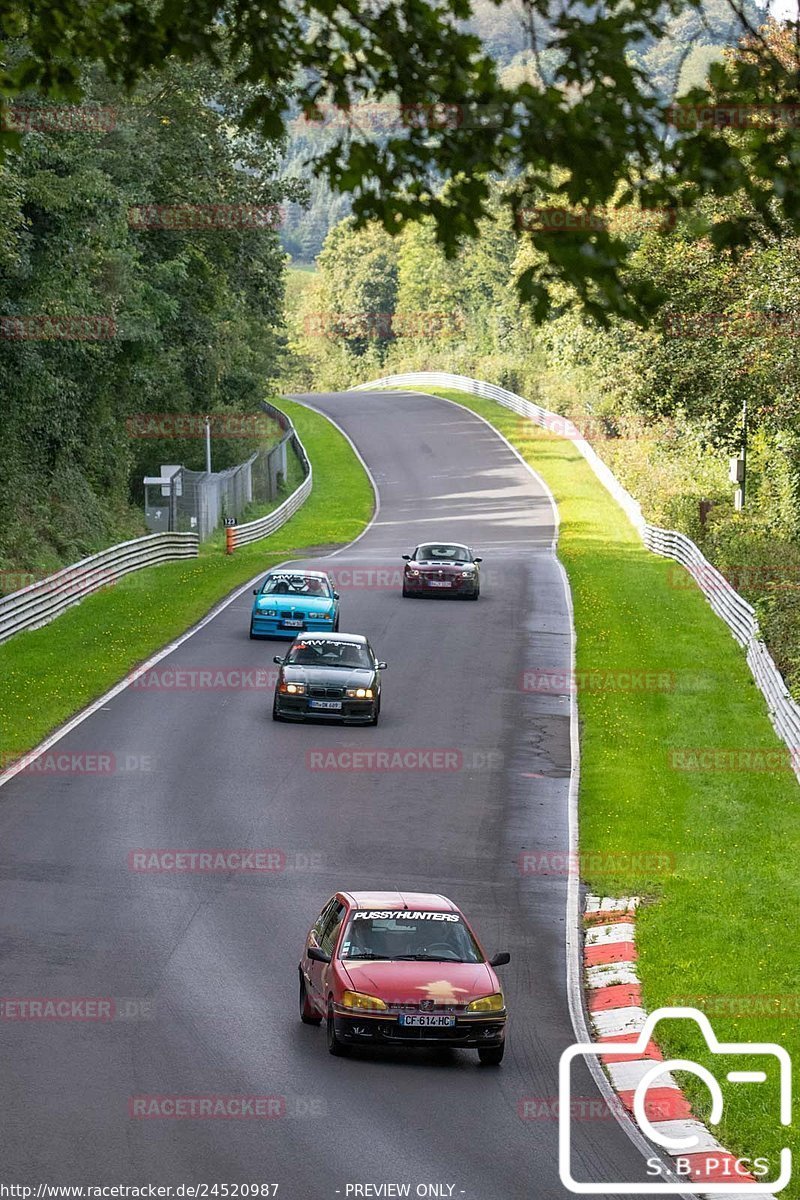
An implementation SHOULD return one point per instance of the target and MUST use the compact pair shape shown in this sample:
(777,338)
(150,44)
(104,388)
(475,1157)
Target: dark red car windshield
(442,553)
(412,935)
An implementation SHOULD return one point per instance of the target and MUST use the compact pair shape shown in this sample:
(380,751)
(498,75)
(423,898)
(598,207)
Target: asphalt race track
(203,967)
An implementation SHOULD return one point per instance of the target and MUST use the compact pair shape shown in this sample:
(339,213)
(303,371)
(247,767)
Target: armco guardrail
(47,598)
(262,527)
(726,602)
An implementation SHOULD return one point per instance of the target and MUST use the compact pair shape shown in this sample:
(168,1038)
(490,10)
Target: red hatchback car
(401,969)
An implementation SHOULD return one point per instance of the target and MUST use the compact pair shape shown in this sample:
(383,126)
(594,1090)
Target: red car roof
(422,900)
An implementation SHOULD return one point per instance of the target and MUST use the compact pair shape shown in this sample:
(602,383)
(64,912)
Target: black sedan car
(442,569)
(329,675)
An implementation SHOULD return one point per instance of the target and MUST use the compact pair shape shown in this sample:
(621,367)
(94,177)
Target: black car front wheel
(335,1046)
(276,716)
(491,1056)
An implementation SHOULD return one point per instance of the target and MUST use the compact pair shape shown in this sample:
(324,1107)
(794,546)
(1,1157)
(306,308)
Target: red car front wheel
(335,1046)
(307,1014)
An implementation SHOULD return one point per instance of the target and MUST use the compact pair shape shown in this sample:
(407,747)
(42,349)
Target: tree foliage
(196,313)
(592,125)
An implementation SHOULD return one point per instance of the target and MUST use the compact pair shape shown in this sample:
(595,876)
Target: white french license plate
(333,704)
(292,624)
(439,583)
(424,1020)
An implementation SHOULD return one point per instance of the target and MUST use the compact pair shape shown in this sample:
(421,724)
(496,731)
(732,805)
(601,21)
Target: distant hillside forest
(673,64)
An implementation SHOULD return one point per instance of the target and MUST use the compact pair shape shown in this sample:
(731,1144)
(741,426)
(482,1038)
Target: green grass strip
(715,851)
(49,674)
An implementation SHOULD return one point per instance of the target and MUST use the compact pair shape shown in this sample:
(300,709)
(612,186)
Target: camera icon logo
(677,1138)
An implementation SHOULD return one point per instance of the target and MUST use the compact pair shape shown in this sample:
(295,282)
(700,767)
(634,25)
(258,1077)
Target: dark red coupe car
(442,569)
(401,969)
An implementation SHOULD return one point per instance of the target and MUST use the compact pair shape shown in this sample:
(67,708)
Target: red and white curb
(614,1000)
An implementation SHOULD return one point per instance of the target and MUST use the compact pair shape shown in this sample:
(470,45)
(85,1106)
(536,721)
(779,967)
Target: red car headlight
(493,1003)
(412,571)
(361,1000)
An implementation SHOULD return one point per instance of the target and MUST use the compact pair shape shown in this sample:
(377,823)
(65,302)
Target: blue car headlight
(266,612)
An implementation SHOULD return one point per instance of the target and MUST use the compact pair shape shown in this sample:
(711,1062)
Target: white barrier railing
(40,602)
(726,602)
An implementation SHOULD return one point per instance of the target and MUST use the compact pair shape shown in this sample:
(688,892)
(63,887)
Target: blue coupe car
(291,602)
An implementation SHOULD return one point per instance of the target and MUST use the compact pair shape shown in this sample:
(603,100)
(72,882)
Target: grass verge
(714,851)
(48,674)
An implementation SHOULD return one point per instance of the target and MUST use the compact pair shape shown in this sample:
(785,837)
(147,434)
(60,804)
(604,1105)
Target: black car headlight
(361,693)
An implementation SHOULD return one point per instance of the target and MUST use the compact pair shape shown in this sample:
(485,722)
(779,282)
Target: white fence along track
(42,601)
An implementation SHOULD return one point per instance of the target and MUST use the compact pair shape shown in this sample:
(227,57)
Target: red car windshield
(414,936)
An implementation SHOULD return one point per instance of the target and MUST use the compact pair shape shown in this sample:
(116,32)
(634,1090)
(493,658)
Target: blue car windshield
(296,585)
